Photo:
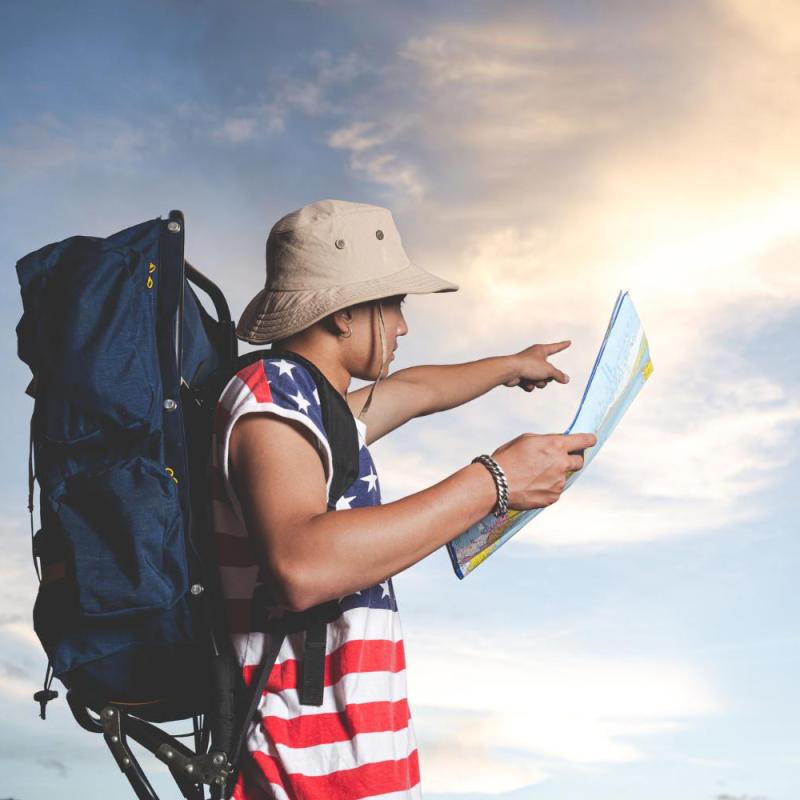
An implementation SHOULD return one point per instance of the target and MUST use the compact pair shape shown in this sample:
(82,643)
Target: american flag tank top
(360,742)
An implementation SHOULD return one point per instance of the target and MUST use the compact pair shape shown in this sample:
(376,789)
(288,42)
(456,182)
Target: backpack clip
(43,697)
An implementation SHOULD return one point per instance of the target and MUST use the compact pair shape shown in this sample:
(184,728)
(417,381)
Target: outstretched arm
(417,391)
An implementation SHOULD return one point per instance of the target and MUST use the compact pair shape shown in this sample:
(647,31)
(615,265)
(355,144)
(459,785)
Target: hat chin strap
(382,330)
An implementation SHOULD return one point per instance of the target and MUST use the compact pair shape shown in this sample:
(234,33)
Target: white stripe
(353,688)
(277,790)
(240,642)
(255,774)
(238,583)
(355,623)
(322,759)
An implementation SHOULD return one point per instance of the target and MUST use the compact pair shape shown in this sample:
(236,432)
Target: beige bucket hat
(326,256)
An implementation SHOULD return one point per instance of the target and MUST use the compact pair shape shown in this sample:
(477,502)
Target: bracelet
(501,509)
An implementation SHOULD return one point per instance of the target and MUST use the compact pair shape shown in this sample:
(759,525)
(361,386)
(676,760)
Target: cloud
(552,707)
(313,96)
(356,138)
(585,176)
(48,143)
(53,764)
(727,796)
(248,124)
(364,141)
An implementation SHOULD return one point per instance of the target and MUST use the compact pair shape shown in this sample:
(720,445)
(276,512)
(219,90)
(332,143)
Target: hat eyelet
(339,244)
(379,234)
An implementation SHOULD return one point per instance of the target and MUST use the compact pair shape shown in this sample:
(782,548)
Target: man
(337,276)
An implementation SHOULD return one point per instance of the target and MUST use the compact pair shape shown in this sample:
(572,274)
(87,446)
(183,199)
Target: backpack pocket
(91,338)
(123,527)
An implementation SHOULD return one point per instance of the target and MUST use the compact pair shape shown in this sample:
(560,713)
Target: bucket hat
(324,257)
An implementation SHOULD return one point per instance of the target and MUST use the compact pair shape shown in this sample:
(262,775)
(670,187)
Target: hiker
(337,276)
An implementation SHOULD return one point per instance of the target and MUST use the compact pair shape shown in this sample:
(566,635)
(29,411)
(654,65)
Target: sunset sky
(638,640)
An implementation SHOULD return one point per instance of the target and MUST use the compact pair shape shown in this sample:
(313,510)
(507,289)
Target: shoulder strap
(340,426)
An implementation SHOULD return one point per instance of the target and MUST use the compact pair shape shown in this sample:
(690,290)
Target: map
(620,370)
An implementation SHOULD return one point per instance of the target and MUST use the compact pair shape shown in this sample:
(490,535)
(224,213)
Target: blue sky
(638,640)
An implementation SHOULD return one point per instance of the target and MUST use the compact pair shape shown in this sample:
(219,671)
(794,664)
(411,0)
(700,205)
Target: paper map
(622,366)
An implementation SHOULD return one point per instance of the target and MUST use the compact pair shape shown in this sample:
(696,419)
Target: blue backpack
(127,368)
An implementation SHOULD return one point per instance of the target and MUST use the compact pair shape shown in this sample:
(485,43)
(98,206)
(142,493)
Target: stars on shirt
(284,368)
(371,479)
(378,596)
(344,502)
(301,401)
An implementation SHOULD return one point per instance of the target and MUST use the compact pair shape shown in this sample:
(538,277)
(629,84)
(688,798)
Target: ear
(341,320)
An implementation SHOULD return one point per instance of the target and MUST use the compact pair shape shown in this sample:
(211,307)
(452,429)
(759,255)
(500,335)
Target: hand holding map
(620,370)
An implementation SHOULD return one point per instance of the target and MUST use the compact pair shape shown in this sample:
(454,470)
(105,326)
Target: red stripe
(380,777)
(255,377)
(235,551)
(358,655)
(341,726)
(247,789)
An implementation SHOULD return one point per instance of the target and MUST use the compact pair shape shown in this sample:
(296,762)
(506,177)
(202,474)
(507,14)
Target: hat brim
(272,315)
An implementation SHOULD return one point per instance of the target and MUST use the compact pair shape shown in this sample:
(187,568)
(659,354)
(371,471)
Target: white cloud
(47,143)
(249,123)
(356,138)
(313,95)
(517,712)
(364,142)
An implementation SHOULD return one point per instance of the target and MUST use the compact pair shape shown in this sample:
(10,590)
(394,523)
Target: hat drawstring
(366,405)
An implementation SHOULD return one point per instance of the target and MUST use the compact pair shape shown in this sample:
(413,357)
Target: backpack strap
(340,427)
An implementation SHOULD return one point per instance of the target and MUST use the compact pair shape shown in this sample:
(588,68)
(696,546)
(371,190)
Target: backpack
(127,369)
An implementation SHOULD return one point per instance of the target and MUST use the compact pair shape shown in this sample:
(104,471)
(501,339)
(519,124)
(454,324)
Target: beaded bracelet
(501,509)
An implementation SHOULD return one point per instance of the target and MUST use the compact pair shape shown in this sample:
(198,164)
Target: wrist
(500,481)
(512,368)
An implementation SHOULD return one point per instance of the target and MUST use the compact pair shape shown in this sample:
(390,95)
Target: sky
(637,641)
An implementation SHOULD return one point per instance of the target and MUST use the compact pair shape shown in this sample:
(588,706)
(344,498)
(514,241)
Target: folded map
(622,366)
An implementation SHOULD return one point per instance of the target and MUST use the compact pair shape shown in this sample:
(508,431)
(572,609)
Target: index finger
(579,441)
(556,347)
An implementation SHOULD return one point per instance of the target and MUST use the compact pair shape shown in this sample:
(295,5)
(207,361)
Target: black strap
(31,479)
(276,640)
(313,684)
(340,426)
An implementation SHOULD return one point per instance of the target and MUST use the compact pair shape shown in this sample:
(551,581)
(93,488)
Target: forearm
(450,385)
(341,552)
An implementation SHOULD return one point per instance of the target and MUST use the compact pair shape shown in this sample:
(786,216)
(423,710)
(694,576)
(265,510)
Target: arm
(314,555)
(417,391)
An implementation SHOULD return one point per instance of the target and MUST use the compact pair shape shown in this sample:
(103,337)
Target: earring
(349,333)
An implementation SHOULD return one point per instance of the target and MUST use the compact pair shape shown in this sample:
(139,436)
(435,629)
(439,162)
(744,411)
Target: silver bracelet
(501,509)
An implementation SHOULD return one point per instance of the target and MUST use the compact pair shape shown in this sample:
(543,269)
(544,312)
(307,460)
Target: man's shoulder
(278,381)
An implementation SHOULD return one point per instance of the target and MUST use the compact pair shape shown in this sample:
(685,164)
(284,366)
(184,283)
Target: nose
(402,328)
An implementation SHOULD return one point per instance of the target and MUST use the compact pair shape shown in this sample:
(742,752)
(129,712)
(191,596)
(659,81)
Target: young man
(337,275)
